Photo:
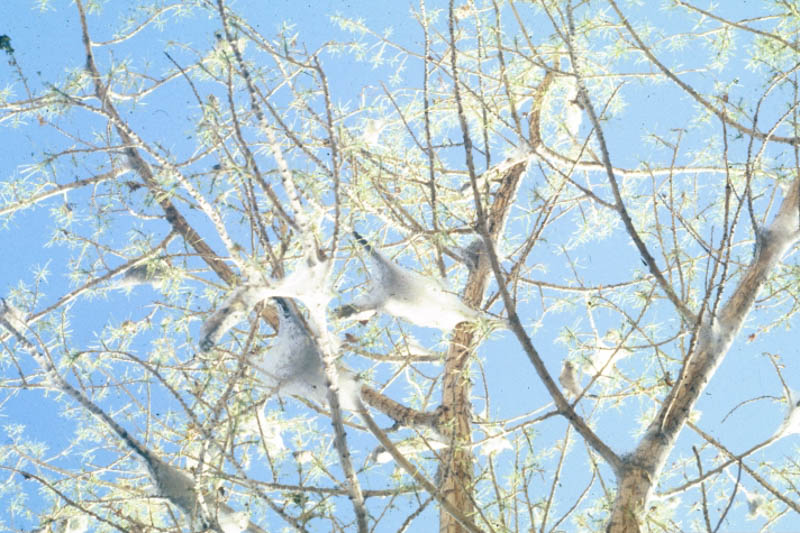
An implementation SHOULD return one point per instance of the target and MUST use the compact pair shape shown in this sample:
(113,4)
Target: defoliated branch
(689,90)
(414,472)
(486,233)
(687,314)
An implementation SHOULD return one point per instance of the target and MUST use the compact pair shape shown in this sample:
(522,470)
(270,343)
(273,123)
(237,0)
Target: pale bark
(713,339)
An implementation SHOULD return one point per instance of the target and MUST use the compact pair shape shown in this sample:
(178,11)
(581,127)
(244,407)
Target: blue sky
(47,45)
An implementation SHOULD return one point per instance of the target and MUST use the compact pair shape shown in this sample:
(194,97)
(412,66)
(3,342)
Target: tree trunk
(713,340)
(455,473)
(633,491)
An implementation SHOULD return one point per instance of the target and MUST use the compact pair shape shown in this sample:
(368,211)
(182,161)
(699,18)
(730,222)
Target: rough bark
(176,220)
(456,472)
(714,337)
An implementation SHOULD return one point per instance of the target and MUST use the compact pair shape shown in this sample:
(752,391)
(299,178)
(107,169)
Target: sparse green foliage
(601,183)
